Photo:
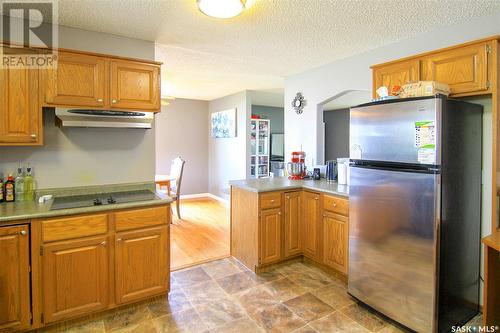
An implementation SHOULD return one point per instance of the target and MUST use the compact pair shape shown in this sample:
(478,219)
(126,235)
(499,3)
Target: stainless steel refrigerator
(415,210)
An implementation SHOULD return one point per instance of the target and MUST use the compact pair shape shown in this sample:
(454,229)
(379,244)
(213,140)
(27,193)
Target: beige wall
(84,156)
(228,158)
(182,130)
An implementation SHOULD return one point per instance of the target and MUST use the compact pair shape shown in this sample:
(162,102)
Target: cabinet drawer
(336,205)
(74,227)
(139,218)
(270,200)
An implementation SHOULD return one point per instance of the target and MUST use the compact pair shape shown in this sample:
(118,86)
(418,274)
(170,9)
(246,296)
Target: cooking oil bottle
(28,184)
(10,192)
(19,184)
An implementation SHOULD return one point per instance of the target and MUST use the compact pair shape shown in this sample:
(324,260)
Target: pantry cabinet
(21,115)
(15,310)
(78,80)
(75,277)
(141,263)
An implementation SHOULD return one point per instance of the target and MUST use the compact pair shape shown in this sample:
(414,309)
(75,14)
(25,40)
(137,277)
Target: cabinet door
(335,241)
(79,80)
(14,278)
(293,224)
(464,69)
(270,236)
(142,265)
(311,226)
(399,73)
(135,86)
(21,114)
(75,278)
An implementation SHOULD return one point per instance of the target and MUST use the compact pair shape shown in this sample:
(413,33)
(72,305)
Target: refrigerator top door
(406,131)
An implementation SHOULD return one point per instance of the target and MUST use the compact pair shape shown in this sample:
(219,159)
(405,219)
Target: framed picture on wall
(224,124)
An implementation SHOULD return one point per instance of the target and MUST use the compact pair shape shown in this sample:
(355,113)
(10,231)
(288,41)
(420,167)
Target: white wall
(182,130)
(81,156)
(229,157)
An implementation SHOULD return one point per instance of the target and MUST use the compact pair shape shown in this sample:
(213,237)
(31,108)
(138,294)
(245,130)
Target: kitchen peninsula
(276,219)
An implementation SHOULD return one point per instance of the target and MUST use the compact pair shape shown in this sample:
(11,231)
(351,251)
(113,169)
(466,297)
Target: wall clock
(298,103)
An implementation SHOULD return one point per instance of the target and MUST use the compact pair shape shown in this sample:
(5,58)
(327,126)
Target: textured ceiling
(206,58)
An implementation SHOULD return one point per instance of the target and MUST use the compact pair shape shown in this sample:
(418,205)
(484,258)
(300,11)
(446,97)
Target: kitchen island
(276,219)
(67,263)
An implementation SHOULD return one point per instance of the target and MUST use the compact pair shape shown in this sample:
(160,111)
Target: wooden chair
(174,190)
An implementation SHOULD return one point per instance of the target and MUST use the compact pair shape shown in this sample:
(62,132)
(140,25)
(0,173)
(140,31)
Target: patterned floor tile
(190,276)
(183,321)
(237,282)
(243,325)
(277,318)
(144,327)
(308,307)
(91,327)
(204,292)
(176,301)
(125,318)
(220,312)
(310,280)
(337,323)
(305,329)
(364,317)
(256,298)
(333,295)
(220,268)
(283,289)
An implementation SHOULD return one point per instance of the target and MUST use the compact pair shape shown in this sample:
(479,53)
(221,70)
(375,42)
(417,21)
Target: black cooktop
(98,199)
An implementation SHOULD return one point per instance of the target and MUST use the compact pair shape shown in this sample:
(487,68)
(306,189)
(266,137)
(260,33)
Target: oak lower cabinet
(335,241)
(20,111)
(270,236)
(312,226)
(141,263)
(15,309)
(75,278)
(293,224)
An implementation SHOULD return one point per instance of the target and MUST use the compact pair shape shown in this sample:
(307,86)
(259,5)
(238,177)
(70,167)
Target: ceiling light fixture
(221,8)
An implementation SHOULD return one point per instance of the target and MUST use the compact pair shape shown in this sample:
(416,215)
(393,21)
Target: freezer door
(392,244)
(405,131)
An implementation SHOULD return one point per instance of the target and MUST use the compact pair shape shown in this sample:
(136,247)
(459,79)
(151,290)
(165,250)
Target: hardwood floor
(202,234)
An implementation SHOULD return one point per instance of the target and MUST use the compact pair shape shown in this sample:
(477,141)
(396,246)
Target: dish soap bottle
(28,184)
(10,193)
(19,185)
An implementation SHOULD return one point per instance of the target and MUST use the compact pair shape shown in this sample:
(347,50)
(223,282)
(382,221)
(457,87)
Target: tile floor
(223,296)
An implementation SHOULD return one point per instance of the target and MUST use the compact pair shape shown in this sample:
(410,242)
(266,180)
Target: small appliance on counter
(297,167)
(331,171)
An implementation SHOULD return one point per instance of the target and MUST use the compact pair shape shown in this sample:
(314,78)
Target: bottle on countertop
(28,184)
(19,184)
(10,189)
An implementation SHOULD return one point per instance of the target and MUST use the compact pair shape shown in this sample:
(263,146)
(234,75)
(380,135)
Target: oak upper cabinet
(293,224)
(270,236)
(21,114)
(78,80)
(75,277)
(398,73)
(335,241)
(464,69)
(135,85)
(141,263)
(311,225)
(14,278)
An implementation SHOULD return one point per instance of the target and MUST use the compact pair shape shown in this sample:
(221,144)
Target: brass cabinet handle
(103,243)
(99,99)
(316,198)
(23,232)
(334,204)
(288,197)
(113,101)
(119,240)
(33,136)
(272,200)
(279,213)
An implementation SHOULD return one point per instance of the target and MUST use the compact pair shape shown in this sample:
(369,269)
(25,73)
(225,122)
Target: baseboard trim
(204,195)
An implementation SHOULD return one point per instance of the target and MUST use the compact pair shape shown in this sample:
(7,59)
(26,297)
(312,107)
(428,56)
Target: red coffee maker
(297,167)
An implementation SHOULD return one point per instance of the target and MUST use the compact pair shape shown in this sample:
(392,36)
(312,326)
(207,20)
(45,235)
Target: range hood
(103,118)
